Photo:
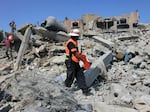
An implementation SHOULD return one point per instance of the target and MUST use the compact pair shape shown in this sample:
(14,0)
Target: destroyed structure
(91,22)
(71,24)
(119,76)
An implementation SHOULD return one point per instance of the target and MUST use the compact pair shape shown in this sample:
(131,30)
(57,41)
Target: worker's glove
(82,56)
(85,61)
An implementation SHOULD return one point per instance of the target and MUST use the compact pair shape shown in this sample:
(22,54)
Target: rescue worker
(9,44)
(73,56)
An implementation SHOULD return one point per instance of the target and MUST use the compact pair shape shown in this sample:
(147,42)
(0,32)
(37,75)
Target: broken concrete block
(23,28)
(5,108)
(136,60)
(107,58)
(4,67)
(104,42)
(61,36)
(146,109)
(128,37)
(44,33)
(91,75)
(140,104)
(102,107)
(97,68)
(3,78)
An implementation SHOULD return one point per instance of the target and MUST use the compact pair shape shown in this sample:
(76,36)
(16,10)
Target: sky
(36,11)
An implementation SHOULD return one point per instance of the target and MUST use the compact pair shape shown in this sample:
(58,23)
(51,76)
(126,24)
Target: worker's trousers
(9,53)
(75,71)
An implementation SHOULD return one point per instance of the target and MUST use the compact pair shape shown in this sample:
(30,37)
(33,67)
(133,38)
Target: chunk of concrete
(128,37)
(104,42)
(107,58)
(61,36)
(97,68)
(5,108)
(44,33)
(102,107)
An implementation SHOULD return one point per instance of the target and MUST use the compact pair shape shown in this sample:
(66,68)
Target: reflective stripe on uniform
(67,57)
(73,50)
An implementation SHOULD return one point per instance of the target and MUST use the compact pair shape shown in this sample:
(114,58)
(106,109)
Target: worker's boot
(86,92)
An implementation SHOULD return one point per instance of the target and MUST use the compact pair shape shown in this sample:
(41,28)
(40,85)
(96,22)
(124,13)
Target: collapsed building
(92,22)
(33,82)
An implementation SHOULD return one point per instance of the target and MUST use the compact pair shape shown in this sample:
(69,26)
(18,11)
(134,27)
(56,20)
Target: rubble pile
(38,84)
(36,91)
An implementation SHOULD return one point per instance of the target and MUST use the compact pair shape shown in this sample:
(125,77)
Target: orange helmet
(11,37)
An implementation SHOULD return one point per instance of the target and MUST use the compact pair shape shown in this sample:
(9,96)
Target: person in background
(9,44)
(17,41)
(12,26)
(73,56)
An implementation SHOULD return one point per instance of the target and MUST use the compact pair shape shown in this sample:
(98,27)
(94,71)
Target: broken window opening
(84,24)
(75,24)
(124,26)
(135,24)
(123,21)
(104,25)
(110,24)
(100,25)
(118,22)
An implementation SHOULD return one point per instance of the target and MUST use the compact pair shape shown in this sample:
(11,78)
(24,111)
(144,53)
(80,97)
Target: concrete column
(23,47)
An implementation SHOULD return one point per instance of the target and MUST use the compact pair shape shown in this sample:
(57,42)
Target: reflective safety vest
(68,52)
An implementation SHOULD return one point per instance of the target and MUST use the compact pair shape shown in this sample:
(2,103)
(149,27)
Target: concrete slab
(97,68)
(104,42)
(128,37)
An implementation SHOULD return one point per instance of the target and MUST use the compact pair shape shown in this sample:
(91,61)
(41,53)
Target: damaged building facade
(71,24)
(92,22)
